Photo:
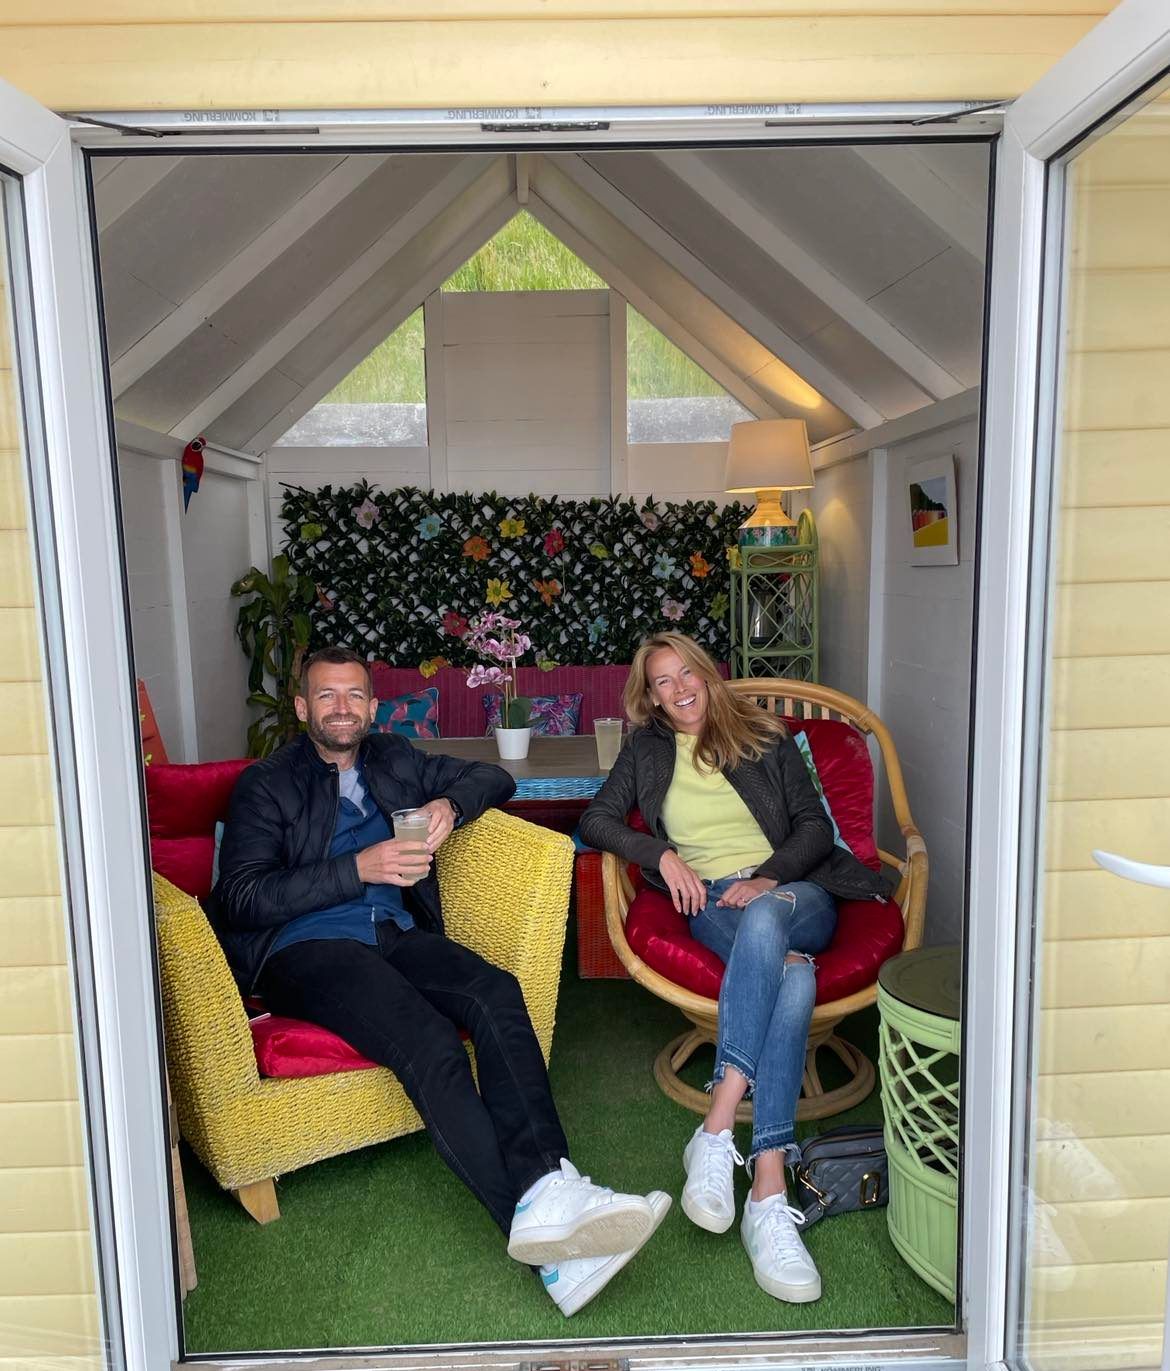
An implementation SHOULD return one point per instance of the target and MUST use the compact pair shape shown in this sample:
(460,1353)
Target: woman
(739,839)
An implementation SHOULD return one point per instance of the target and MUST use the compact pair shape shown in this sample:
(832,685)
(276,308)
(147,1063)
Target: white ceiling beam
(242,269)
(697,174)
(419,269)
(649,308)
(129,181)
(964,224)
(753,321)
(919,422)
(458,181)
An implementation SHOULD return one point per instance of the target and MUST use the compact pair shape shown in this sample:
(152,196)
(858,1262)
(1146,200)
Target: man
(333,920)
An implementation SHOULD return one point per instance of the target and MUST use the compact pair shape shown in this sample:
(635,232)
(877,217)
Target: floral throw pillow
(553,716)
(415,715)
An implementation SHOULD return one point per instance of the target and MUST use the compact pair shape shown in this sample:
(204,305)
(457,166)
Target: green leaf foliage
(385,589)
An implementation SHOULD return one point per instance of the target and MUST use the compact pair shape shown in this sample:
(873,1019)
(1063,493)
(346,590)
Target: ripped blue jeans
(766,1002)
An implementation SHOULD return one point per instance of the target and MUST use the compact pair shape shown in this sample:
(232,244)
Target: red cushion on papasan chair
(868,933)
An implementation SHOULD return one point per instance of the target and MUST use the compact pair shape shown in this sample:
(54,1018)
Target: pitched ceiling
(842,285)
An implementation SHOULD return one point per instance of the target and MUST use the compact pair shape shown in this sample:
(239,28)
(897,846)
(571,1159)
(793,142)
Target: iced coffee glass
(608,733)
(411,826)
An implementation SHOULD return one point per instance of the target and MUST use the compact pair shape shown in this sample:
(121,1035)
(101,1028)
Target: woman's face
(681,692)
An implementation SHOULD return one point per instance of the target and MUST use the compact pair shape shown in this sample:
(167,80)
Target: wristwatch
(455,808)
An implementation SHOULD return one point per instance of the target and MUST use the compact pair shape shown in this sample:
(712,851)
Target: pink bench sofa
(461,709)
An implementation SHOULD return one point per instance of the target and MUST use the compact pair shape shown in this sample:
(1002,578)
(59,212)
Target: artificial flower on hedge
(512,528)
(366,514)
(554,542)
(476,548)
(548,590)
(429,527)
(497,591)
(455,624)
(431,666)
(700,566)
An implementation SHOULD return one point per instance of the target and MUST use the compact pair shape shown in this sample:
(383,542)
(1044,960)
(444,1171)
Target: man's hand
(685,885)
(441,813)
(393,862)
(744,892)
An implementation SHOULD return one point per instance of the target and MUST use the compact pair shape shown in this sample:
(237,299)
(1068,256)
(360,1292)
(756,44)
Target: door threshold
(931,1350)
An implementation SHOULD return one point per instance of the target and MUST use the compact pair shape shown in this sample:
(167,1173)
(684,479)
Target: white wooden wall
(525,394)
(180,566)
(925,684)
(840,502)
(217,548)
(525,391)
(158,611)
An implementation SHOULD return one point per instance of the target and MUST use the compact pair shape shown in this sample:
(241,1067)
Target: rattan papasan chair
(656,948)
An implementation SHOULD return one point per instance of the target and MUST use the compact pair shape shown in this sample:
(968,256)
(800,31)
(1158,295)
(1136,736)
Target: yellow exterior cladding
(48,1308)
(352,54)
(1103,1055)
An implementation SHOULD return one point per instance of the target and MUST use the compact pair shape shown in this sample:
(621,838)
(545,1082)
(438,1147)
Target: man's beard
(319,731)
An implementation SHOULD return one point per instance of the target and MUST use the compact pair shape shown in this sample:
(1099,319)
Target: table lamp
(768,456)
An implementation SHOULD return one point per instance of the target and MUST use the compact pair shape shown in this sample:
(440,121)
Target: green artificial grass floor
(385,1247)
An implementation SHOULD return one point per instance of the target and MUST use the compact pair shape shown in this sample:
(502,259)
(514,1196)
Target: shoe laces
(713,1157)
(779,1223)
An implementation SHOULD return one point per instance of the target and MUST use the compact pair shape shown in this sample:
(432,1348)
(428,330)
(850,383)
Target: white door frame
(1115,60)
(97,743)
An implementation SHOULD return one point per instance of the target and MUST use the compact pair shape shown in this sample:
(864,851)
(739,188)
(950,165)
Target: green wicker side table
(919,1001)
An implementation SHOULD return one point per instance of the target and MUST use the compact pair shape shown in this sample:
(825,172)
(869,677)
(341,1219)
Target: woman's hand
(685,885)
(744,892)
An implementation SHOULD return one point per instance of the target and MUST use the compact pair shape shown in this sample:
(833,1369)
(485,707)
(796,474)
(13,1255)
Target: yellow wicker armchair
(505,890)
(794,699)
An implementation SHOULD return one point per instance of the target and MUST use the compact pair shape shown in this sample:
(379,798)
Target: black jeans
(402,1004)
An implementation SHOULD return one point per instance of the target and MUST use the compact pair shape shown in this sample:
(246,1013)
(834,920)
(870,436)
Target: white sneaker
(573,1284)
(782,1266)
(569,1216)
(708,1198)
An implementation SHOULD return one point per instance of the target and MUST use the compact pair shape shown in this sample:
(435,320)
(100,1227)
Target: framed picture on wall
(934,514)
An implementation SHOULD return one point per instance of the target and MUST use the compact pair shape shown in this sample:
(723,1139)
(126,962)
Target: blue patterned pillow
(415,715)
(552,716)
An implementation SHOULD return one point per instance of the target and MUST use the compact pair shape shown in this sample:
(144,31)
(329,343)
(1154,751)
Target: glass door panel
(1096,1199)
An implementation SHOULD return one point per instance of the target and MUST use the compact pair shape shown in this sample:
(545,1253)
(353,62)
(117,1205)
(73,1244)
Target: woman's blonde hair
(734,728)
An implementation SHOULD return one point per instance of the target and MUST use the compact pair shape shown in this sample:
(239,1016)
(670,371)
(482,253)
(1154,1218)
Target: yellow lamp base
(768,513)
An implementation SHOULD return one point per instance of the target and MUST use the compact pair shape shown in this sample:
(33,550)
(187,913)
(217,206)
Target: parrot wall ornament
(192,466)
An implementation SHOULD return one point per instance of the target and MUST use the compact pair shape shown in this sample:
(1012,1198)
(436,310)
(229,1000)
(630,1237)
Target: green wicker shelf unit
(775,607)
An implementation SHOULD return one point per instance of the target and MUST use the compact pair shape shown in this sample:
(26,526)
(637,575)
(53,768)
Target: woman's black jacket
(777,791)
(274,861)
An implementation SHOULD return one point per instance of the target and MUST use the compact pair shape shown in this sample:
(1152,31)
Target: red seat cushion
(868,933)
(185,862)
(292,1047)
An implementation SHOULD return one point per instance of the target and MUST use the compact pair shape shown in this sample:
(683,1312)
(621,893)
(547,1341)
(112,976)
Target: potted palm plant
(500,642)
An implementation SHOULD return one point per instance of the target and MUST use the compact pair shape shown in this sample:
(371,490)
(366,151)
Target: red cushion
(846,773)
(292,1047)
(186,800)
(868,933)
(185,862)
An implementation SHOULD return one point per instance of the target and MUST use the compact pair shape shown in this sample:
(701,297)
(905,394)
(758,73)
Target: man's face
(336,706)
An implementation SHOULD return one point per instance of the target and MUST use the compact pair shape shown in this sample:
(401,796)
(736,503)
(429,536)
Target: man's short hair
(333,656)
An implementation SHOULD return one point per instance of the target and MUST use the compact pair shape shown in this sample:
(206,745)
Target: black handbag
(842,1170)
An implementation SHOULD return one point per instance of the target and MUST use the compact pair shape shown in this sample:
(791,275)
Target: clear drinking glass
(608,733)
(410,826)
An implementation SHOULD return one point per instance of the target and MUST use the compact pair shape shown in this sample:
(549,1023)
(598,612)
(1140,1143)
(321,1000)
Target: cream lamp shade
(768,456)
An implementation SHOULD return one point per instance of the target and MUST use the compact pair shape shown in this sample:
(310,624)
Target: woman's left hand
(743,892)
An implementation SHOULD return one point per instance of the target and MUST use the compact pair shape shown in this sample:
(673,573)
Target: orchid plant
(499,641)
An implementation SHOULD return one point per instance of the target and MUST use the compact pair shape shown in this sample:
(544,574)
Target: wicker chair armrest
(505,887)
(208,1043)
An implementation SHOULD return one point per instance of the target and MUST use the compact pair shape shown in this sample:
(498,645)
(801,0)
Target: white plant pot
(513,743)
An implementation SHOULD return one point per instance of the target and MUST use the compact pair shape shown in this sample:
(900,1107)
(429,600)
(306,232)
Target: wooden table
(554,782)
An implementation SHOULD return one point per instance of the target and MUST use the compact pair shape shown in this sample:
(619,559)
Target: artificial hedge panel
(399,572)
